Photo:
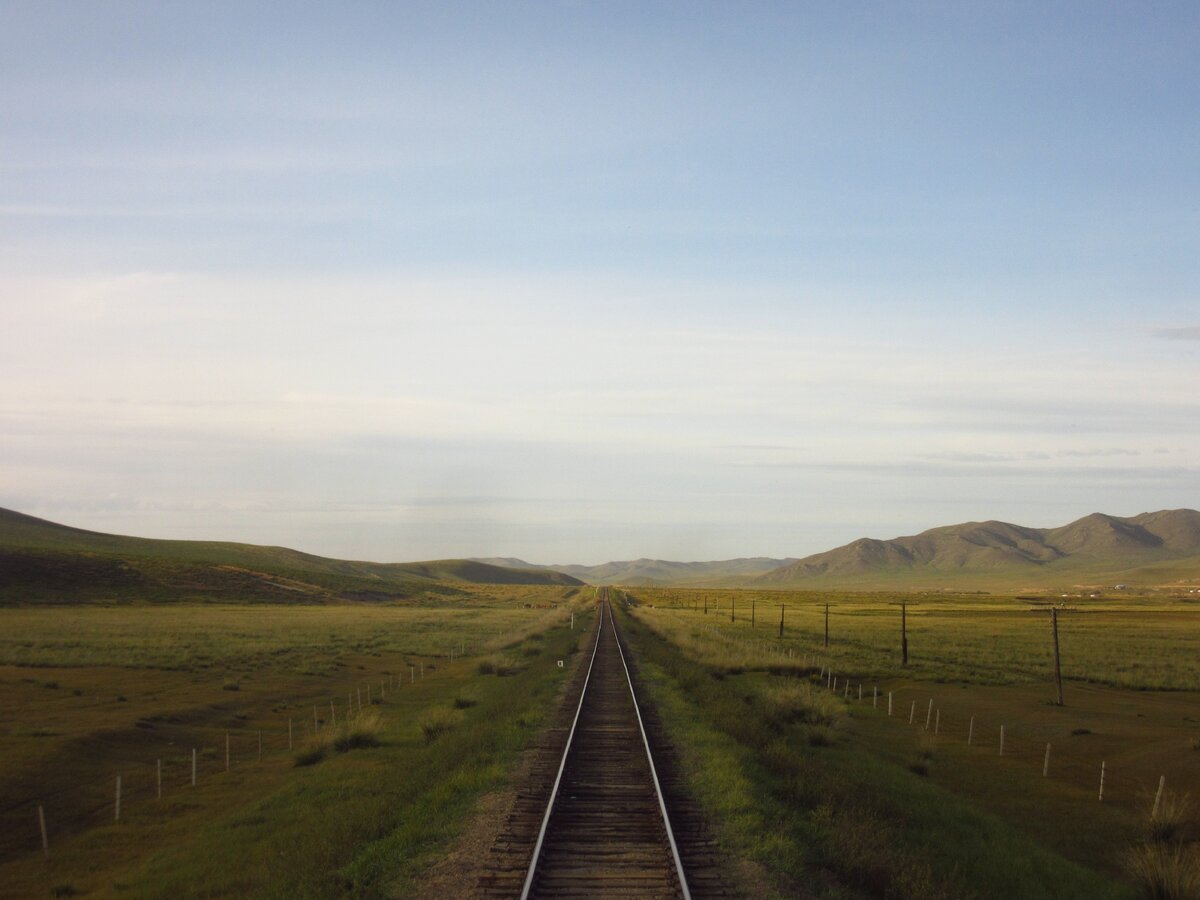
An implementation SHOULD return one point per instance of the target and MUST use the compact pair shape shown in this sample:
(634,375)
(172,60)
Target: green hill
(42,561)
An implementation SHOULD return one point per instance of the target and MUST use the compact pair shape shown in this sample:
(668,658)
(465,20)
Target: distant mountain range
(1157,547)
(647,572)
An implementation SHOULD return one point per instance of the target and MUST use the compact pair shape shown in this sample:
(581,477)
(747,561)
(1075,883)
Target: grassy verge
(816,812)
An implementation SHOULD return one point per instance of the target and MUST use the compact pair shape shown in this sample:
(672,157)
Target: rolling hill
(43,561)
(1147,548)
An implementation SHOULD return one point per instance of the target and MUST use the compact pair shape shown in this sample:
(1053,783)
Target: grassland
(864,804)
(94,692)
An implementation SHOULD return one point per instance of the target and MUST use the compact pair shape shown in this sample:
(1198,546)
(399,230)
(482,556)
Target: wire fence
(1092,759)
(161,760)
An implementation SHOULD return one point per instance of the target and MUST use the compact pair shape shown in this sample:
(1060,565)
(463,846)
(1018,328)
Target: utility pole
(753,603)
(1057,666)
(781,620)
(732,609)
(903,634)
(706,604)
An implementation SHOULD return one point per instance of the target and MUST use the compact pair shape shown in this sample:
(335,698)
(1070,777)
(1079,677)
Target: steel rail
(537,849)
(658,793)
(662,806)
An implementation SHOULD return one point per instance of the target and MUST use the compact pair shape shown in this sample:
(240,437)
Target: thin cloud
(1183,333)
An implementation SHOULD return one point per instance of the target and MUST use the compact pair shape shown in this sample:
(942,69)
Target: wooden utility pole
(903,634)
(781,620)
(826,624)
(1057,666)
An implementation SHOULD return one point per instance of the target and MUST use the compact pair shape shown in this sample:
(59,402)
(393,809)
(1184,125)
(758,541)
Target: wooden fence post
(971,731)
(1046,762)
(1101,782)
(929,714)
(1001,740)
(912,712)
(117,808)
(289,734)
(42,827)
(889,703)
(875,697)
(193,767)
(937,722)
(1162,780)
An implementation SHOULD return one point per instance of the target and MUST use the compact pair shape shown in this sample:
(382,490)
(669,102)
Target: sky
(577,281)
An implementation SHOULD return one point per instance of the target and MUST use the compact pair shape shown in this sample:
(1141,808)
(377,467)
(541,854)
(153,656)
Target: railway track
(602,815)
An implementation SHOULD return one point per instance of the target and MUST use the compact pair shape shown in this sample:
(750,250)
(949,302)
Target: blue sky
(584,281)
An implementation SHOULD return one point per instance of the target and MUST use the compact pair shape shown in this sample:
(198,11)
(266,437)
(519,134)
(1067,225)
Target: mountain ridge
(1091,545)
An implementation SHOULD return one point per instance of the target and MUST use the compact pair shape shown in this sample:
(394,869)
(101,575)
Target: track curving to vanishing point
(599,818)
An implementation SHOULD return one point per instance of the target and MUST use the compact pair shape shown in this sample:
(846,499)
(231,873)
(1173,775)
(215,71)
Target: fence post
(971,731)
(42,826)
(912,712)
(193,767)
(875,698)
(937,722)
(1101,782)
(929,714)
(1046,763)
(289,734)
(159,768)
(1001,740)
(117,808)
(889,703)
(1162,780)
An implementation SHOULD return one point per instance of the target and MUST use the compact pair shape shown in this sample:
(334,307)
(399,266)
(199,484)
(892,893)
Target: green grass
(830,816)
(1140,643)
(140,683)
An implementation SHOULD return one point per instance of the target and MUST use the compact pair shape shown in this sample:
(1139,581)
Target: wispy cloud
(1181,333)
